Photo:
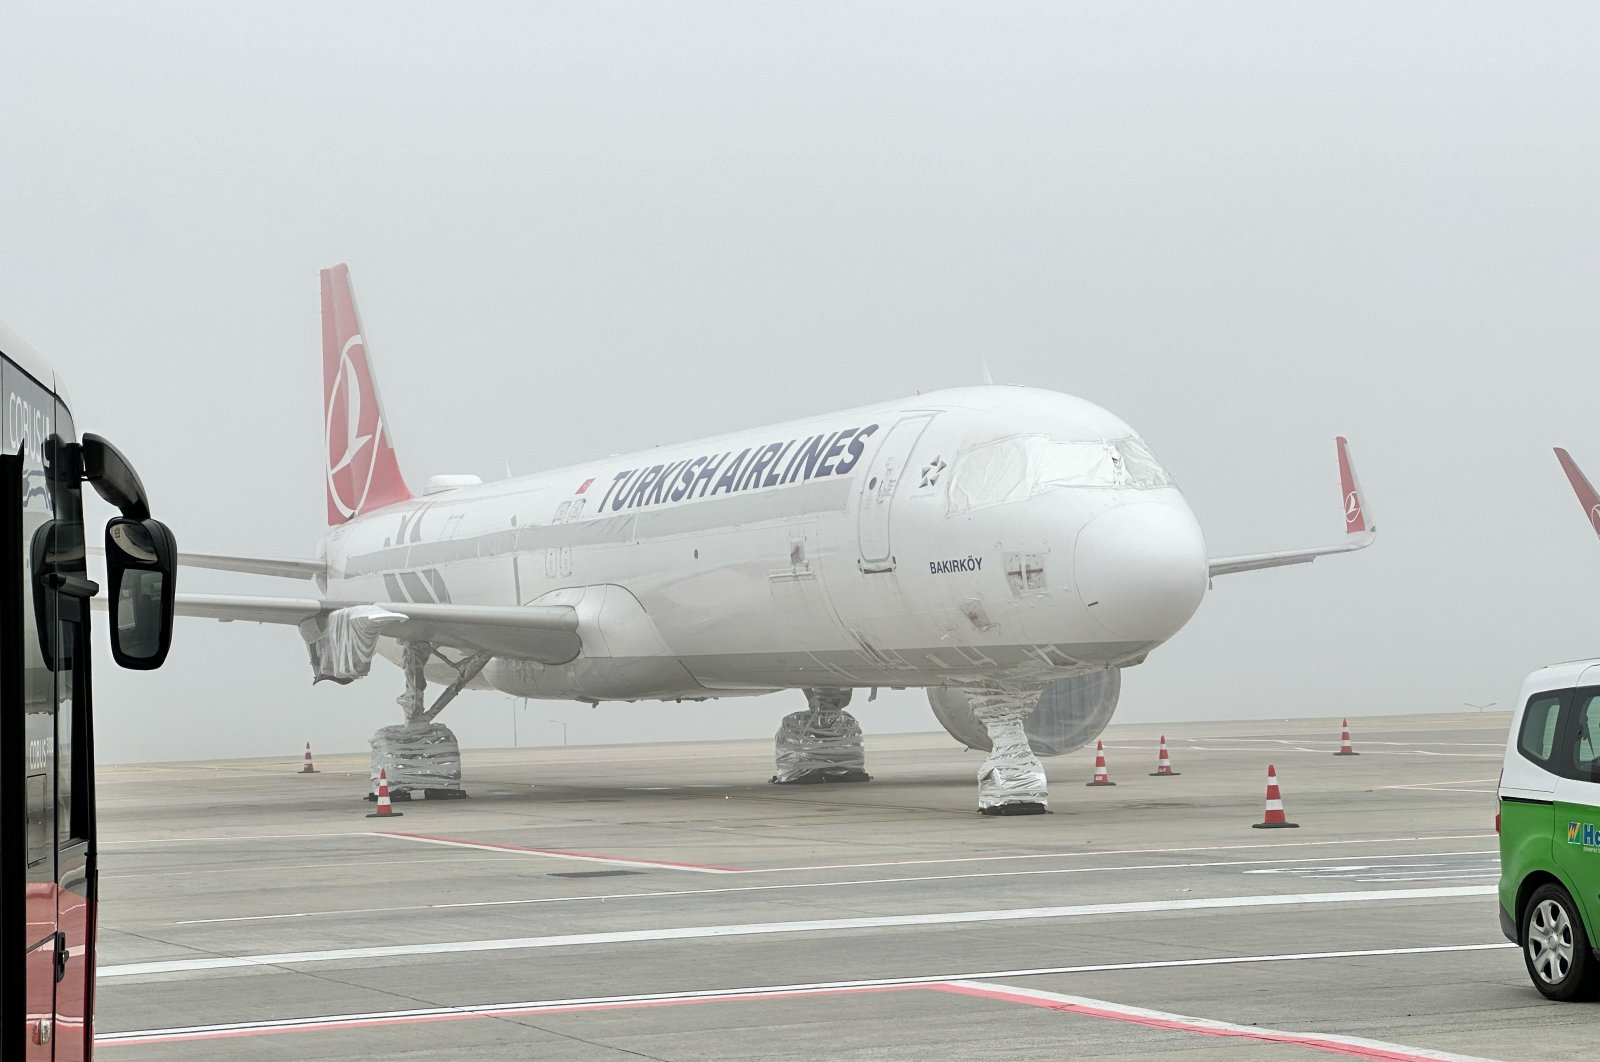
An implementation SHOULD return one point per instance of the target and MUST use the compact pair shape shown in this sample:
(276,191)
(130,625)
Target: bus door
(46,806)
(58,557)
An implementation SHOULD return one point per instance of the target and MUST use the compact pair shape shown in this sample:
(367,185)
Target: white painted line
(1092,853)
(552,853)
(1448,788)
(1354,1046)
(975,875)
(806,926)
(236,837)
(372,1018)
(1326,750)
(1333,741)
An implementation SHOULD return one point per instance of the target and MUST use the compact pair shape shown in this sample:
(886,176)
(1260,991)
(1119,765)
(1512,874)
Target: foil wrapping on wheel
(1011,774)
(343,643)
(823,739)
(418,757)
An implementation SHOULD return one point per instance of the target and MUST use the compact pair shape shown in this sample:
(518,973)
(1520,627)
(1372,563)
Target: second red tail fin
(362,472)
(1582,488)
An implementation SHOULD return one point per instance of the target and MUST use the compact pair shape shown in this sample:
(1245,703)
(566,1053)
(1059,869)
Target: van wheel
(1556,948)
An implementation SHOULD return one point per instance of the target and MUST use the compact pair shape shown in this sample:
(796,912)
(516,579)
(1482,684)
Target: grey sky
(583,228)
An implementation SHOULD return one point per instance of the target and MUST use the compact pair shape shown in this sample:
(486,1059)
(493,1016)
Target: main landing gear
(821,744)
(422,757)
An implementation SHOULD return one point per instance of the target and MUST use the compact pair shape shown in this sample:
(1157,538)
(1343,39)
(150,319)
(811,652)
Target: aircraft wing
(547,634)
(280,567)
(1360,532)
(1587,497)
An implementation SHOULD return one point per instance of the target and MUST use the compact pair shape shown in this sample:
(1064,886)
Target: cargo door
(878,489)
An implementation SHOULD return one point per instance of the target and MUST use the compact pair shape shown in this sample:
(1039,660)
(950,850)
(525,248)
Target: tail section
(362,472)
(1355,513)
(1582,488)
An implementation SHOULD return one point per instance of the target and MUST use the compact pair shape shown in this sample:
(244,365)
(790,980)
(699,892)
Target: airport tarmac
(664,902)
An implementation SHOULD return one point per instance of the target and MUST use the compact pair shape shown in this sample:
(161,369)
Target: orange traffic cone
(384,808)
(1100,775)
(1164,763)
(308,768)
(1274,818)
(1345,748)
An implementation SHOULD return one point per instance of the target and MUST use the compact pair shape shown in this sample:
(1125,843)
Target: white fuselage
(969,536)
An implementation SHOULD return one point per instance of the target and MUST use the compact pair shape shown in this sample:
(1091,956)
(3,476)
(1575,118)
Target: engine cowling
(1071,713)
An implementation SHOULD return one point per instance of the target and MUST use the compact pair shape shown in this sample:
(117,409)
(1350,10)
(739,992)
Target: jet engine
(1071,713)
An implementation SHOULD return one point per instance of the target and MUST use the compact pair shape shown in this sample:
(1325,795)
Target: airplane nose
(1141,569)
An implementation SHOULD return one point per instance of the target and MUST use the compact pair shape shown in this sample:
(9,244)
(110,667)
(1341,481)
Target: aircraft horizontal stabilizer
(1360,530)
(1587,497)
(546,634)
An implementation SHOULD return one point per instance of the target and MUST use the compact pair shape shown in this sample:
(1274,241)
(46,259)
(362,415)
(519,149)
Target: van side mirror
(141,561)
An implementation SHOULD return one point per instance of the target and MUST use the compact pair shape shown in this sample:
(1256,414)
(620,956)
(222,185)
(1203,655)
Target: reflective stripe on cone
(1164,763)
(1101,777)
(1274,818)
(384,808)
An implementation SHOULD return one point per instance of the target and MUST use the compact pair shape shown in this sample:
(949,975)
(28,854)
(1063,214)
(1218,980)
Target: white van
(1549,826)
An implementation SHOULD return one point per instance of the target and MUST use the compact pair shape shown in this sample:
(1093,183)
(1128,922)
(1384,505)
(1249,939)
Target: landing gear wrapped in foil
(423,760)
(822,744)
(1011,780)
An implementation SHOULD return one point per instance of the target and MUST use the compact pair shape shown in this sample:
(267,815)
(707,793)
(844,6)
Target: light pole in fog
(563,724)
(514,707)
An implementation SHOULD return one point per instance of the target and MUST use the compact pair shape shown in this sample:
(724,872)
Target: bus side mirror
(141,560)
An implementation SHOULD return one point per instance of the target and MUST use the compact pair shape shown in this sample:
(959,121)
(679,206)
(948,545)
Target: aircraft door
(888,468)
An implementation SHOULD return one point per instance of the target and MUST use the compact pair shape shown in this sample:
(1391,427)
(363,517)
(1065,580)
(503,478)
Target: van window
(1537,741)
(1586,738)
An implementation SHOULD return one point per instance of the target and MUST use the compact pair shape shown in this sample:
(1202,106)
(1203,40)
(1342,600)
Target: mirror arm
(113,477)
(71,584)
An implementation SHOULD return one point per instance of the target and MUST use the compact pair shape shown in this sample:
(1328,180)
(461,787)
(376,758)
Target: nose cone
(1141,569)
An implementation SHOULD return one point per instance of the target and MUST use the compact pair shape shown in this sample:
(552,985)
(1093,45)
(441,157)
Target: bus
(48,873)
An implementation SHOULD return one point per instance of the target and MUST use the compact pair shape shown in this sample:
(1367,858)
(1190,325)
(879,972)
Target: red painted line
(561,853)
(1176,1024)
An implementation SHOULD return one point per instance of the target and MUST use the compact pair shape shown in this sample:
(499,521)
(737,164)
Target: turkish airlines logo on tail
(354,430)
(1352,508)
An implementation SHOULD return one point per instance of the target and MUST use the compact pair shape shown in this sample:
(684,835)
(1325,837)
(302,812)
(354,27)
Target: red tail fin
(1581,487)
(362,472)
(1355,513)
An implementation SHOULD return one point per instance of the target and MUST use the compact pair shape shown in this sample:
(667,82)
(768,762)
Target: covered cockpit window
(1104,463)
(1140,468)
(1020,466)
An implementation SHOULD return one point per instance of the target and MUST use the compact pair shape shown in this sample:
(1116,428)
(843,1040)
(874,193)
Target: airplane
(1009,549)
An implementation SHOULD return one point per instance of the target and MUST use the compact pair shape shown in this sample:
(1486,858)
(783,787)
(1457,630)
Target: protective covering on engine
(1071,713)
(1012,774)
(343,643)
(418,757)
(821,744)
